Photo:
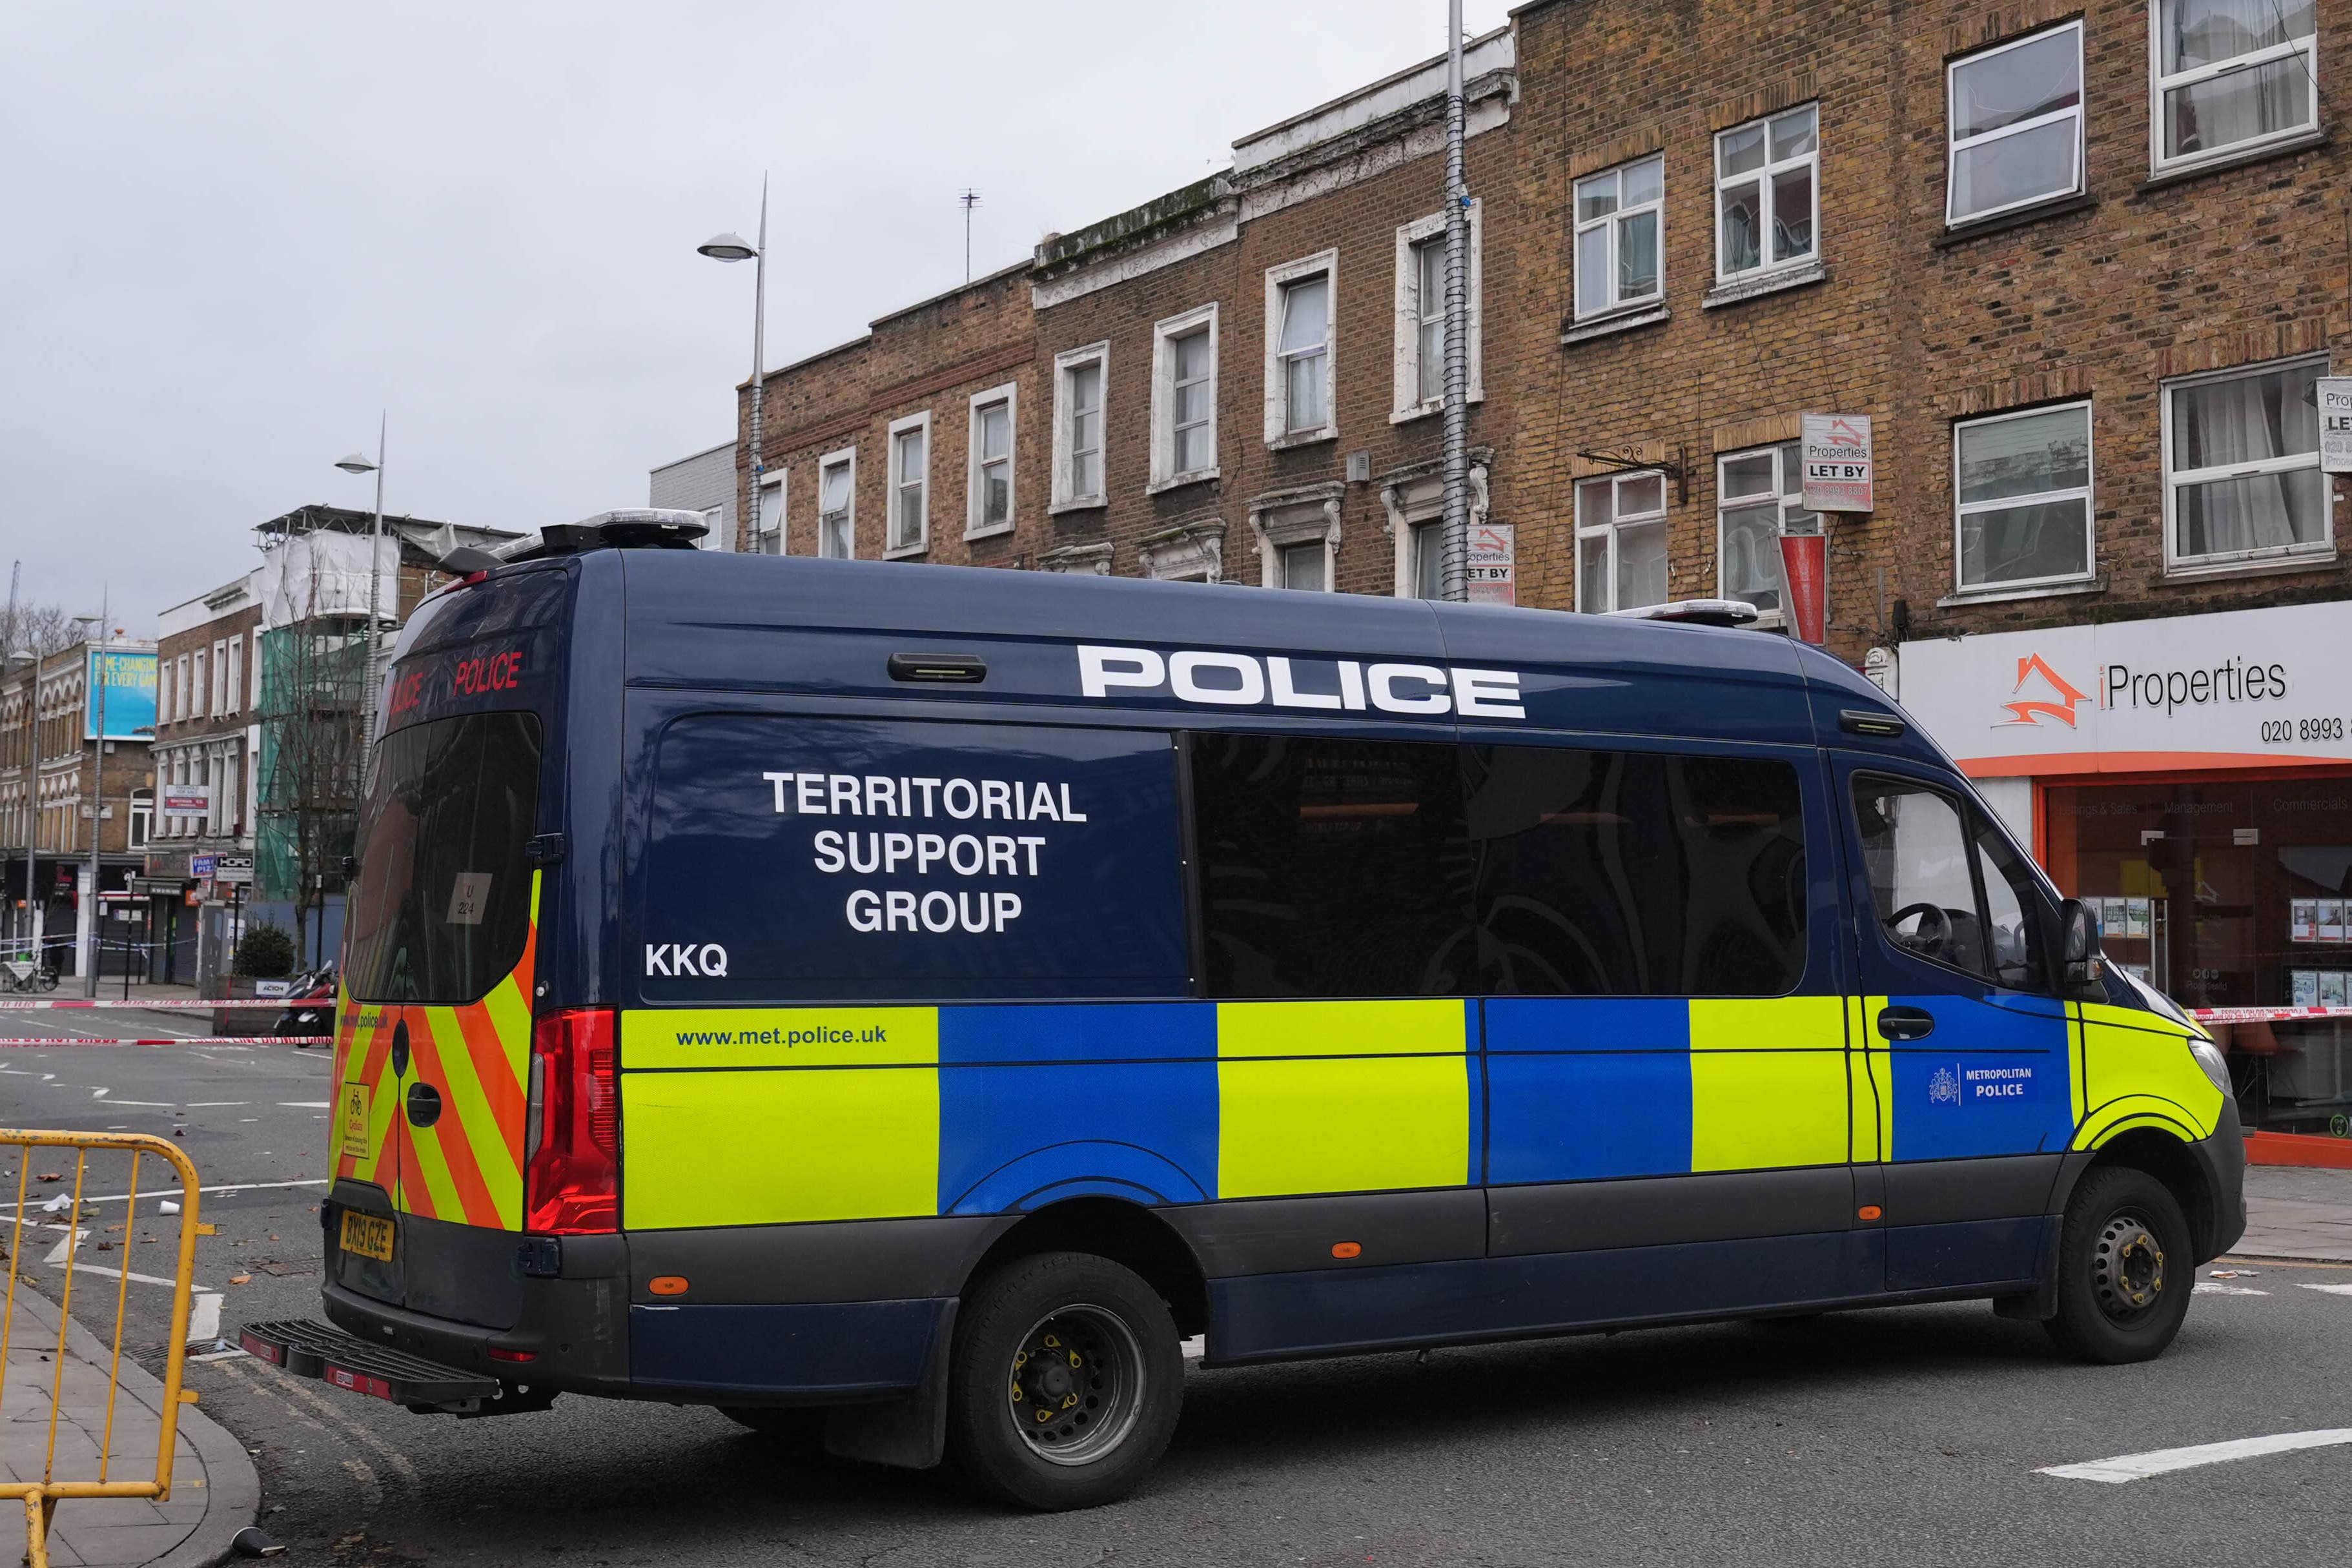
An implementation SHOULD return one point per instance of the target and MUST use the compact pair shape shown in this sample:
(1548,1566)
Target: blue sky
(235,233)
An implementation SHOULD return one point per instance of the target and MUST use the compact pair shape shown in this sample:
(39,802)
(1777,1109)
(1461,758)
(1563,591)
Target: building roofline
(999,276)
(674,462)
(1367,90)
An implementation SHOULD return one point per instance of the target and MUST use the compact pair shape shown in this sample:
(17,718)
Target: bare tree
(42,628)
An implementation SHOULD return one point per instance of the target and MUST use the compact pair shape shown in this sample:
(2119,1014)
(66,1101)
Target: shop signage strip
(45,1041)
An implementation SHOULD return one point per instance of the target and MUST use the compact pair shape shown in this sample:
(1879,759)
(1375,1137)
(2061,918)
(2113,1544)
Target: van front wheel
(1066,1384)
(2125,1268)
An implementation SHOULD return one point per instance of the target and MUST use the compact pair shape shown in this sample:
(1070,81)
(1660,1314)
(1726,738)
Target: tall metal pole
(760,375)
(375,572)
(97,678)
(1456,555)
(33,796)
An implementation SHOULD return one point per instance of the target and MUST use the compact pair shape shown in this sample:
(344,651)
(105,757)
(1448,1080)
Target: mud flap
(911,1431)
(2039,1304)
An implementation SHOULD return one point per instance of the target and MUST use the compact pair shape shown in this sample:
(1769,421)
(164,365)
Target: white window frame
(1953,146)
(1764,174)
(1612,220)
(1780,497)
(1278,433)
(233,686)
(2159,84)
(896,485)
(219,705)
(1069,360)
(1165,475)
(1009,396)
(1408,403)
(2089,491)
(766,540)
(845,457)
(1298,525)
(1663,519)
(165,695)
(2323,548)
(182,697)
(253,675)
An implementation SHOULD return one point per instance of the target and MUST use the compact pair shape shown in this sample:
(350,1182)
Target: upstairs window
(2232,75)
(1185,398)
(1621,542)
(2241,472)
(1768,193)
(1304,352)
(1617,243)
(2016,125)
(1429,305)
(1079,377)
(836,507)
(989,483)
(911,483)
(2023,483)
(1760,496)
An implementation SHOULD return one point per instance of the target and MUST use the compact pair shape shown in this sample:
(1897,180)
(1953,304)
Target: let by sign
(1838,469)
(2335,424)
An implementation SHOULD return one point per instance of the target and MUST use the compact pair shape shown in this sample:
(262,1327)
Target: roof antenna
(970,199)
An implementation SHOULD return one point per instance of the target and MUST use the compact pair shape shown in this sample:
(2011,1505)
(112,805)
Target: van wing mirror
(2079,939)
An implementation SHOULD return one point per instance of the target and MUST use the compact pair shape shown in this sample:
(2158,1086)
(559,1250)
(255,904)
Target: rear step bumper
(322,1351)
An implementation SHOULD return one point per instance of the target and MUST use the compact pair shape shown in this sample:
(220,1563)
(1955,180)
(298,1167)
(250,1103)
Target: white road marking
(2331,1290)
(99,1093)
(227,1187)
(2159,1461)
(215,1104)
(302,1105)
(156,1105)
(2205,1289)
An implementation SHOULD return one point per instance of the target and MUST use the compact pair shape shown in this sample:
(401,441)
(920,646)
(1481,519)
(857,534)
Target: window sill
(2058,208)
(2316,561)
(993,531)
(1434,405)
(1969,596)
(1741,290)
(1078,504)
(905,552)
(1608,326)
(2222,163)
(1304,438)
(1198,477)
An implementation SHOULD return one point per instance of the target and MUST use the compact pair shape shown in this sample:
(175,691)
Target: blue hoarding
(127,676)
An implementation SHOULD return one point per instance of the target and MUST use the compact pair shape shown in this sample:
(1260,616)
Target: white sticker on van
(1221,679)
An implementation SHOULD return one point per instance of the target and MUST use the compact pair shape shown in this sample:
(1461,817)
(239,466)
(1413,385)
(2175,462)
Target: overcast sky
(231,234)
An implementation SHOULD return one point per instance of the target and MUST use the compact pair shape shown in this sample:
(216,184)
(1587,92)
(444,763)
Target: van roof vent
(1695,612)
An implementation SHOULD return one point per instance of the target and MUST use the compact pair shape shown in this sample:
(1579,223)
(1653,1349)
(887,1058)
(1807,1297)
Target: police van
(899,1005)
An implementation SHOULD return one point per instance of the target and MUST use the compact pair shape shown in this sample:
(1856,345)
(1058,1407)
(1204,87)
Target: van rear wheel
(2125,1268)
(1066,1383)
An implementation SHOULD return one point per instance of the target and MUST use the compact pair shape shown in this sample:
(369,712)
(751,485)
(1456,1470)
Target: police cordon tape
(49,1040)
(159,1004)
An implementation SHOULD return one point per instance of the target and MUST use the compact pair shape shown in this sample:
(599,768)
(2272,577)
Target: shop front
(2191,780)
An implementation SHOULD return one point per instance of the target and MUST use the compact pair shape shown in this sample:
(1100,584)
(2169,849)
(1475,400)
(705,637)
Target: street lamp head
(726,248)
(355,463)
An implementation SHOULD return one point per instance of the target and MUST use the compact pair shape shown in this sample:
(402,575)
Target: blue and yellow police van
(899,1006)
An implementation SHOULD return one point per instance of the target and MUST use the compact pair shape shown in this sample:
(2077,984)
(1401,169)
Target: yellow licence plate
(368,1235)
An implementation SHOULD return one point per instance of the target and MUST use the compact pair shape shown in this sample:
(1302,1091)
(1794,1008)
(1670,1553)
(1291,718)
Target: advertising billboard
(128,678)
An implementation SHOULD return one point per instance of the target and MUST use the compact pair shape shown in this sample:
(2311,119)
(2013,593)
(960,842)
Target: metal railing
(66,1381)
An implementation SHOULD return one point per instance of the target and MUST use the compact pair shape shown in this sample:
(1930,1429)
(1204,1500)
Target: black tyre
(797,1429)
(1066,1384)
(2125,1268)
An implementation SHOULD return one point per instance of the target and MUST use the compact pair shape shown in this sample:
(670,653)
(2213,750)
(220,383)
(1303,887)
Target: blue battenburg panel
(1991,1080)
(1579,1088)
(1031,1113)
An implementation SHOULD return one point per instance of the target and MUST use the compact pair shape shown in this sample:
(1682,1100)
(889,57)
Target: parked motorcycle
(310,1005)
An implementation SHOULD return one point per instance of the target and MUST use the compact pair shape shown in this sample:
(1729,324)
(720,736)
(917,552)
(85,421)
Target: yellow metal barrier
(55,1483)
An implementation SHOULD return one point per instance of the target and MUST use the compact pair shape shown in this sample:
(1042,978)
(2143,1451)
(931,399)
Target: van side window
(1946,885)
(1612,874)
(1331,868)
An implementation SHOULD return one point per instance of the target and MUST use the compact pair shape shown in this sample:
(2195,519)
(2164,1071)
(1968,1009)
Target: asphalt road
(1909,1437)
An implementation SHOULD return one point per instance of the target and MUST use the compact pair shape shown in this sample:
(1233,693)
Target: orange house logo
(2052,696)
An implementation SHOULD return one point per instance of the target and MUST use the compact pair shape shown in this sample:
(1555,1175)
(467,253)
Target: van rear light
(573,1184)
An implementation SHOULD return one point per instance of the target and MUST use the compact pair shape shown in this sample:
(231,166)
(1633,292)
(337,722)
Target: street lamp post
(358,463)
(95,676)
(729,247)
(32,798)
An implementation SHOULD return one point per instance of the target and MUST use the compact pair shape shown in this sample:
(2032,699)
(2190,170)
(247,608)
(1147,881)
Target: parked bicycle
(28,974)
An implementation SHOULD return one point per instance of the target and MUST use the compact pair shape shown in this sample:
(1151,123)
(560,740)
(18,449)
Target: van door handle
(1906,1023)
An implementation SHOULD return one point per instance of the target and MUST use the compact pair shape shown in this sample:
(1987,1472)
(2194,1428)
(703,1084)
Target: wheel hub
(2128,1268)
(1075,1384)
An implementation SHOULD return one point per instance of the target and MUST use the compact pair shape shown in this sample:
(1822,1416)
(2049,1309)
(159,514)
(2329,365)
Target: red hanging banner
(1805,568)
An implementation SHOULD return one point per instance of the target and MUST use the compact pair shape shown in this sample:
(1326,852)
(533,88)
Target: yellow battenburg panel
(1316,1097)
(1768,1083)
(823,1114)
(2134,1064)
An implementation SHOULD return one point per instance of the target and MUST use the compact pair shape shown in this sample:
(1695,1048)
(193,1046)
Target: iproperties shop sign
(2243,689)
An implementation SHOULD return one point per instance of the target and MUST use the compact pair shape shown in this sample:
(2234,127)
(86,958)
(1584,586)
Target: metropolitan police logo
(1944,1088)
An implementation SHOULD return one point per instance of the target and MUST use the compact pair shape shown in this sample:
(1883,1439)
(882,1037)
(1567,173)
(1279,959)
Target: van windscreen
(441,912)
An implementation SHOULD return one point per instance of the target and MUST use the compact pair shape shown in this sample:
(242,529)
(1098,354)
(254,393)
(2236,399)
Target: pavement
(1922,1435)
